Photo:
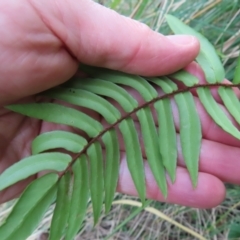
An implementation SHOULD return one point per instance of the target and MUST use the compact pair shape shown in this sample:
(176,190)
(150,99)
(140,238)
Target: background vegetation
(219,21)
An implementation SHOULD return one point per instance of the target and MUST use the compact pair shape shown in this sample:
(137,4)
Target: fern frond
(92,163)
(160,144)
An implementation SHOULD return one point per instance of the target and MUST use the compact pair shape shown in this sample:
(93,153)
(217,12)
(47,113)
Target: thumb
(98,36)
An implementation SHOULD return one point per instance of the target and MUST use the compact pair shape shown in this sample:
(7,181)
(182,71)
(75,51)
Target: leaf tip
(194,181)
(107,208)
(172,177)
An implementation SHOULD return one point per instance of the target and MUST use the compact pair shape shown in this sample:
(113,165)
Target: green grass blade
(217,114)
(32,165)
(51,112)
(61,211)
(207,58)
(231,102)
(112,164)
(141,9)
(94,153)
(58,139)
(190,133)
(86,99)
(79,199)
(167,136)
(185,77)
(134,81)
(29,209)
(108,89)
(167,85)
(150,139)
(236,78)
(134,156)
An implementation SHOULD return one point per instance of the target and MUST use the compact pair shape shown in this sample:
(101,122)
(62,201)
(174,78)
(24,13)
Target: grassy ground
(219,21)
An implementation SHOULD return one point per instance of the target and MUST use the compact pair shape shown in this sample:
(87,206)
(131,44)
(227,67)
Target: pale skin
(41,45)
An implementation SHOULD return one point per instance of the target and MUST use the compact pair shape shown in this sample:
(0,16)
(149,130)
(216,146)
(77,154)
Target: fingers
(209,193)
(99,36)
(219,160)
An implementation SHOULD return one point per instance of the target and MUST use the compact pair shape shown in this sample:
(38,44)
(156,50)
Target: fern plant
(84,169)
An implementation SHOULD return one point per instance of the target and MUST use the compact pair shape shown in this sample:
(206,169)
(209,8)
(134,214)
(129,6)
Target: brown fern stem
(168,95)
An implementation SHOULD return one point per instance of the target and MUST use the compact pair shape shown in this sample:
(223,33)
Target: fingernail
(181,39)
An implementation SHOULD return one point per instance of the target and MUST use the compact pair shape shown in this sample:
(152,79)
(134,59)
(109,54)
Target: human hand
(41,46)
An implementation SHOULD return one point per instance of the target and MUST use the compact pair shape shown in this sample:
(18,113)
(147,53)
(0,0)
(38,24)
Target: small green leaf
(236,78)
(86,99)
(94,153)
(52,112)
(58,139)
(150,139)
(79,199)
(207,58)
(134,156)
(185,77)
(61,211)
(216,112)
(231,102)
(32,165)
(112,163)
(105,88)
(190,133)
(167,136)
(167,85)
(30,208)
